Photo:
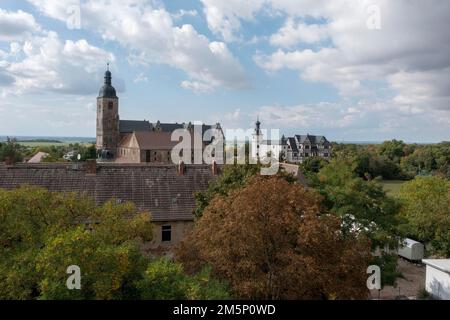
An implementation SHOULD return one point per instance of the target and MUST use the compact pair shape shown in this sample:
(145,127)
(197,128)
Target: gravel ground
(409,285)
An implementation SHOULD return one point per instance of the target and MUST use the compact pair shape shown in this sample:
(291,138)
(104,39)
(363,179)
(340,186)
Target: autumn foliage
(271,239)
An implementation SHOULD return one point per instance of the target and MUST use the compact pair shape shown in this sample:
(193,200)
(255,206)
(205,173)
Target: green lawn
(392,187)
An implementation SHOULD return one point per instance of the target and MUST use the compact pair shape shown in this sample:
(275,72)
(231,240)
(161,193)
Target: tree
(314,164)
(89,152)
(43,232)
(363,205)
(393,150)
(11,149)
(166,280)
(232,177)
(426,208)
(271,240)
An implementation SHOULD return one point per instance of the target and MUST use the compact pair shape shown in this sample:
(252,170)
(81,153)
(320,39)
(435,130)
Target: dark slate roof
(170,127)
(129,126)
(107,91)
(155,188)
(293,144)
(311,139)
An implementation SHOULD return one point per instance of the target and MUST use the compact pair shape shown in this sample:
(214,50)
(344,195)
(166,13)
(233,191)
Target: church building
(139,141)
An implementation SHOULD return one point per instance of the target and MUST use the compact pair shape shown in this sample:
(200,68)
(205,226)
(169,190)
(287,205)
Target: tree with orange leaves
(271,239)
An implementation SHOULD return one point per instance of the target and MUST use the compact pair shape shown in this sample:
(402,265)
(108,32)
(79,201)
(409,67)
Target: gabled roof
(155,188)
(129,126)
(293,144)
(311,139)
(38,157)
(154,140)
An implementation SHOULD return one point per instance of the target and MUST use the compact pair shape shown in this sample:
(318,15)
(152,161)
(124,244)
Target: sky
(352,70)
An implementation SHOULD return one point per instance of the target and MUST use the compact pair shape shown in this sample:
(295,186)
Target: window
(166,233)
(306,154)
(306,147)
(110,105)
(325,154)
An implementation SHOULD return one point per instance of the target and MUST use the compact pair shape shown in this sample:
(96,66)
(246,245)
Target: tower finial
(258,125)
(107,66)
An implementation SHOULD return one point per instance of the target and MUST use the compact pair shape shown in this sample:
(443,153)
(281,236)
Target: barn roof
(155,188)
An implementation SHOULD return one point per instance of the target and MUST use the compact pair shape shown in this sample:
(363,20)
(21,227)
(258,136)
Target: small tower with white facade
(257,139)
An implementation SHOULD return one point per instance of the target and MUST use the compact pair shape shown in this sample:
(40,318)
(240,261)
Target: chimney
(90,166)
(181,168)
(9,161)
(214,167)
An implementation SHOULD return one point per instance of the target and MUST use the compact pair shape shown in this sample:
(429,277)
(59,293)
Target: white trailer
(411,250)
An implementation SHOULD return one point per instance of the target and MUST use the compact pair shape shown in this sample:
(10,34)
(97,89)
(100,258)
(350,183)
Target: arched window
(110,105)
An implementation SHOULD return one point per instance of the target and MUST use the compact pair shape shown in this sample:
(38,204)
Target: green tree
(166,280)
(426,208)
(393,150)
(363,205)
(43,232)
(313,164)
(232,177)
(11,149)
(89,152)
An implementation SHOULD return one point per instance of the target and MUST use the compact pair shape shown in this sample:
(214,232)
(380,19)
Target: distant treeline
(41,141)
(391,160)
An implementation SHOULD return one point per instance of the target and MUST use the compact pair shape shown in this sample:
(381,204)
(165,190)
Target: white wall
(437,283)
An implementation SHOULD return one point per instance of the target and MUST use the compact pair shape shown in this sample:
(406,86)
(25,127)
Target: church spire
(107,91)
(108,75)
(258,126)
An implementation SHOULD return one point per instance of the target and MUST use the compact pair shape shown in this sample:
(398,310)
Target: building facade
(292,149)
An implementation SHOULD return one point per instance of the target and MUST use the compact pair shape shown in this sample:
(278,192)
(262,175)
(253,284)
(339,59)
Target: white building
(292,149)
(437,282)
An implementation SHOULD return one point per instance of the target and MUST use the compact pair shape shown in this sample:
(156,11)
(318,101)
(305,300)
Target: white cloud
(184,13)
(53,65)
(293,33)
(16,26)
(411,58)
(141,77)
(224,17)
(149,32)
(57,9)
(365,120)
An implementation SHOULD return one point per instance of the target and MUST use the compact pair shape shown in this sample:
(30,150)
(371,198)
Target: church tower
(107,119)
(257,139)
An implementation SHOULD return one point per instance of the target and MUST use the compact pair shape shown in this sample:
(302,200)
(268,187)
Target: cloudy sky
(355,70)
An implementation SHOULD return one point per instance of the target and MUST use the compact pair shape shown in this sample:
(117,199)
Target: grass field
(392,187)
